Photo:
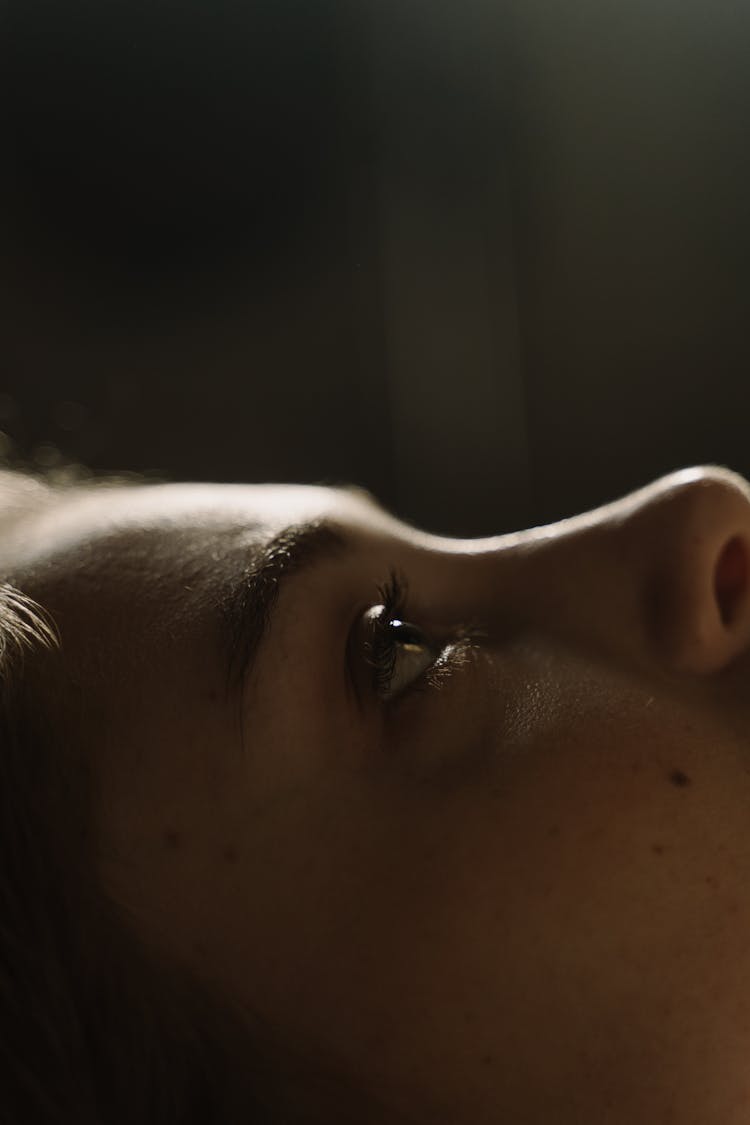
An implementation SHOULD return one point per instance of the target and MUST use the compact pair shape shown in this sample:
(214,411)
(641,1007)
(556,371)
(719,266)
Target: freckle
(200,949)
(230,853)
(712,881)
(657,849)
(554,831)
(677,777)
(487,1060)
(171,838)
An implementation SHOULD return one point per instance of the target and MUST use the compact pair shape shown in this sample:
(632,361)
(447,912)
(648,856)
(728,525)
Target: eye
(402,656)
(399,652)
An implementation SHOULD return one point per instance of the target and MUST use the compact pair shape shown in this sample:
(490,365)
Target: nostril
(731,577)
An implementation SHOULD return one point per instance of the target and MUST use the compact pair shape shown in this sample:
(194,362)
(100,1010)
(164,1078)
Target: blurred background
(490,260)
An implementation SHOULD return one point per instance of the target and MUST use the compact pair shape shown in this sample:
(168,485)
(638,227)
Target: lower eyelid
(453,656)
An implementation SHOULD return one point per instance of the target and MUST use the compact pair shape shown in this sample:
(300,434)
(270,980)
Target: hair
(96,1028)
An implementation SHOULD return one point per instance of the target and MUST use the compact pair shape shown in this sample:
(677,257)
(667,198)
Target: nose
(662,574)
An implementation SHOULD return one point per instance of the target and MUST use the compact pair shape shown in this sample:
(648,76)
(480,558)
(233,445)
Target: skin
(520,896)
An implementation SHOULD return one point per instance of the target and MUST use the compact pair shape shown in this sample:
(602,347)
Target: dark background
(489,260)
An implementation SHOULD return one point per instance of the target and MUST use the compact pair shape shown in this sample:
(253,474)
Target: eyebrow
(248,608)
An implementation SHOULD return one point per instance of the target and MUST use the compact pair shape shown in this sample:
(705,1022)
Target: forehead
(131,571)
(80,519)
(156,555)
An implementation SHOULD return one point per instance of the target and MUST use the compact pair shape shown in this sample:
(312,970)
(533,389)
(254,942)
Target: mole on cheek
(229,854)
(171,838)
(677,777)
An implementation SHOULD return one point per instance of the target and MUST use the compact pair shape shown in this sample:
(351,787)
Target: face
(485,840)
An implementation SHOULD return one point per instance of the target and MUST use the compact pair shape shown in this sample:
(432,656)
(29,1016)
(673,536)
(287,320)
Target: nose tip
(711,479)
(695,537)
(660,577)
(699,484)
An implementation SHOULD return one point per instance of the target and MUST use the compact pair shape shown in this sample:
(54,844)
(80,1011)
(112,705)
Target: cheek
(567,912)
(607,912)
(576,908)
(626,824)
(573,920)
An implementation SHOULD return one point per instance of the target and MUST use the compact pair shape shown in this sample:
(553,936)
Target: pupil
(407,634)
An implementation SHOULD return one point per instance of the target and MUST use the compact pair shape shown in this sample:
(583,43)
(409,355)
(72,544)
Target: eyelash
(381,646)
(383,643)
